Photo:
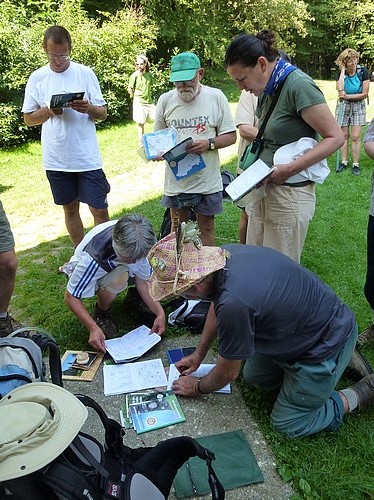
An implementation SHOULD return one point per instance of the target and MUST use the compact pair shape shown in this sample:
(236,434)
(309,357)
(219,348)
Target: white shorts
(142,113)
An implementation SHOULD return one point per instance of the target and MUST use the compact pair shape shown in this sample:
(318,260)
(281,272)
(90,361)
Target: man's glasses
(57,57)
(186,82)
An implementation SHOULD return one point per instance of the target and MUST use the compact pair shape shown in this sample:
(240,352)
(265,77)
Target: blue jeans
(307,402)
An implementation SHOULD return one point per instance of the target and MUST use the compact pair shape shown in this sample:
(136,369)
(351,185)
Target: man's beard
(188,94)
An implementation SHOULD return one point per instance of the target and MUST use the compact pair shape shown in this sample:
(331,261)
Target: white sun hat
(38,421)
(290,152)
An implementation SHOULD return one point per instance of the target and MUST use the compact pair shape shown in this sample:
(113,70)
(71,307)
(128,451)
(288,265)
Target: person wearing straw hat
(203,113)
(293,332)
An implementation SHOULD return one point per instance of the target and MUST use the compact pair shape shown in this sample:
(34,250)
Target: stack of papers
(132,345)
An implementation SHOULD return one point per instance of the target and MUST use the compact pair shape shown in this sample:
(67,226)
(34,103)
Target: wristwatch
(211,144)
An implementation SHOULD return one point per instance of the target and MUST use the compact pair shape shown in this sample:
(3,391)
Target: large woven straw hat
(176,270)
(38,421)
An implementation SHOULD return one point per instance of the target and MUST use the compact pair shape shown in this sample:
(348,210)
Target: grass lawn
(326,466)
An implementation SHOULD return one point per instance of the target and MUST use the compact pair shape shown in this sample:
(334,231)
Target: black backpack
(227,178)
(165,228)
(21,358)
(188,313)
(89,470)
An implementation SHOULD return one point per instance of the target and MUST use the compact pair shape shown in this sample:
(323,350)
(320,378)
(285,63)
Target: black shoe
(365,391)
(358,366)
(367,336)
(8,325)
(340,167)
(104,320)
(356,170)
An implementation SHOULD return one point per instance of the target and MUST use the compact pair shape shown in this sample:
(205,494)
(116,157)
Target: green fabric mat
(235,465)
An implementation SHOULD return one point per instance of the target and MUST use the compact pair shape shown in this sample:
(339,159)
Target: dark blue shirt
(267,303)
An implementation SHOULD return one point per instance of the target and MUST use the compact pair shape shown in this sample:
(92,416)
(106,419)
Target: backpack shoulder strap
(218,492)
(113,430)
(69,482)
(46,343)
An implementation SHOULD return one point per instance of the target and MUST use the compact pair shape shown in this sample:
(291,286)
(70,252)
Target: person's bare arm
(154,306)
(84,106)
(320,118)
(97,337)
(220,141)
(225,371)
(247,132)
(40,116)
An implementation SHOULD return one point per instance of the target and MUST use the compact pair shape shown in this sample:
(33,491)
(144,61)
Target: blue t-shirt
(266,303)
(353,84)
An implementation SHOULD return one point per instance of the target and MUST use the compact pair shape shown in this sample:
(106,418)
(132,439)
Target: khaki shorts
(6,235)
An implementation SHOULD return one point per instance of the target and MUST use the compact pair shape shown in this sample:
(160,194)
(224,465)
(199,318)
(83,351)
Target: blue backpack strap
(11,377)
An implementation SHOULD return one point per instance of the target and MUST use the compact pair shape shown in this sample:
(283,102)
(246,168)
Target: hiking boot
(365,391)
(358,367)
(8,325)
(340,167)
(104,320)
(356,170)
(367,336)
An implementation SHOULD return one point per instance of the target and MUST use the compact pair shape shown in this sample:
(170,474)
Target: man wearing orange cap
(294,334)
(202,113)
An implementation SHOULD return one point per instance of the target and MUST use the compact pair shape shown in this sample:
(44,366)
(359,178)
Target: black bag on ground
(165,228)
(227,178)
(189,313)
(134,303)
(21,358)
(89,470)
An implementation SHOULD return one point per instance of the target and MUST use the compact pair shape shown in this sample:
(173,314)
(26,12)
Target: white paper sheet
(200,372)
(132,345)
(131,377)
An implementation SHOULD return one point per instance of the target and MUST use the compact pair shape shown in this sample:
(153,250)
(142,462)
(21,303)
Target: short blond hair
(347,54)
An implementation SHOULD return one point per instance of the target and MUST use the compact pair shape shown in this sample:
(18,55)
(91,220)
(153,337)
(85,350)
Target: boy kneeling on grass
(101,265)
